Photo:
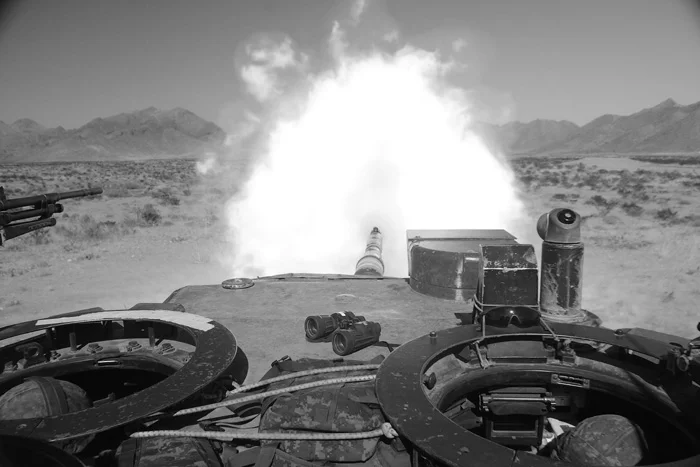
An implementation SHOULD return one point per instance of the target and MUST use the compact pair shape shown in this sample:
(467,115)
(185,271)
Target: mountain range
(665,128)
(148,133)
(178,133)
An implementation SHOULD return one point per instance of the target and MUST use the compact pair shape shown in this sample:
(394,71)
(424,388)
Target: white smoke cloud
(458,45)
(381,140)
(391,36)
(267,59)
(205,166)
(337,43)
(357,9)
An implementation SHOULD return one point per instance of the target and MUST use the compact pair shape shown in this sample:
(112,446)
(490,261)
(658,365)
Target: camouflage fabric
(171,452)
(338,408)
(603,440)
(385,456)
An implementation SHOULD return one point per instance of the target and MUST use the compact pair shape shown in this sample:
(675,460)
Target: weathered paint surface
(510,276)
(215,351)
(414,416)
(184,319)
(562,280)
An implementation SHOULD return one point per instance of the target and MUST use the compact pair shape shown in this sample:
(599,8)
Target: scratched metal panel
(444,274)
(463,242)
(509,275)
(458,234)
(268,318)
(284,296)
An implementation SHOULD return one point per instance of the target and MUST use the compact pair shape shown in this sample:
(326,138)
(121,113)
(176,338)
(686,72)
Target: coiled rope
(262,395)
(385,430)
(300,374)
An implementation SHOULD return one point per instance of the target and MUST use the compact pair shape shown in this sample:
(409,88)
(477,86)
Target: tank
(483,355)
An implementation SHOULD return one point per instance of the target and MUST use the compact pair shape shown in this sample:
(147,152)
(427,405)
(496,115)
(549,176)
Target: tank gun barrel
(371,263)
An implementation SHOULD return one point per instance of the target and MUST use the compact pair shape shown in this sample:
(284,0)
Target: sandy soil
(641,230)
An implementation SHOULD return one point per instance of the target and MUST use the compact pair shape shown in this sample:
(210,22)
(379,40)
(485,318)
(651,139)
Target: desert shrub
(35,237)
(604,205)
(670,175)
(87,228)
(680,160)
(666,214)
(640,192)
(101,230)
(186,192)
(88,257)
(632,209)
(621,242)
(566,181)
(550,178)
(541,163)
(691,183)
(667,297)
(148,215)
(116,192)
(210,216)
(592,180)
(527,180)
(166,197)
(39,237)
(692,220)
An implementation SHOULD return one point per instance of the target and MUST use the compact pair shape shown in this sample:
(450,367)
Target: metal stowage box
(445,263)
(508,276)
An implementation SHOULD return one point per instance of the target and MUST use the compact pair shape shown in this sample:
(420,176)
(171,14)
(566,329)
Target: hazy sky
(66,62)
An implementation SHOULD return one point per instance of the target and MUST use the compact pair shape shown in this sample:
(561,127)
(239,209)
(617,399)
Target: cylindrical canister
(561,281)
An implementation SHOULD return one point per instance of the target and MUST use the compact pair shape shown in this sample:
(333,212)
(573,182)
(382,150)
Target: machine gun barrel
(371,263)
(41,207)
(48,198)
(9,217)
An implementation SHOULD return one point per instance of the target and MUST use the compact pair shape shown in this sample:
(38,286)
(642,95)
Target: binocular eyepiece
(356,337)
(319,326)
(347,332)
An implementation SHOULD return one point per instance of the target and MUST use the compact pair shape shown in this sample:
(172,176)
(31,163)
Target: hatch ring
(237,283)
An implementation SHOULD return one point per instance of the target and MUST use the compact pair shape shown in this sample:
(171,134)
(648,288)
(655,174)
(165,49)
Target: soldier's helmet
(39,397)
(603,440)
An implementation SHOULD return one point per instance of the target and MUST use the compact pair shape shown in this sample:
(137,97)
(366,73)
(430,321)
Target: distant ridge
(144,134)
(665,128)
(178,133)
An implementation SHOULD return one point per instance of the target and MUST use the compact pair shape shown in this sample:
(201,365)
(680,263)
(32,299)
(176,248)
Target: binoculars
(347,332)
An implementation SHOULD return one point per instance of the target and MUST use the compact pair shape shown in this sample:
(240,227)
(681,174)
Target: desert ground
(159,226)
